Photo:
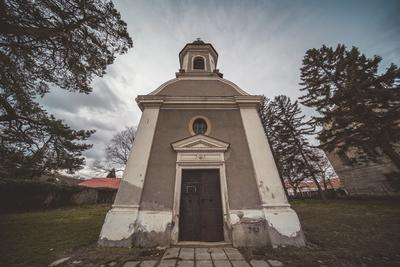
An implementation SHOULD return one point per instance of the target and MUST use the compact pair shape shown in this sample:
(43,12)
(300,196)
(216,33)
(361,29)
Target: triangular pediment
(200,143)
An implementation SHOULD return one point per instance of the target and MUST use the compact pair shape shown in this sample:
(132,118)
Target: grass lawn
(343,233)
(338,233)
(37,238)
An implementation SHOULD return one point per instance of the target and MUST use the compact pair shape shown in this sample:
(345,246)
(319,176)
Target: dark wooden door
(200,216)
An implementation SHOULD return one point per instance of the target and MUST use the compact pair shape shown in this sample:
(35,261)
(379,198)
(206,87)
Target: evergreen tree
(287,131)
(111,173)
(358,108)
(59,43)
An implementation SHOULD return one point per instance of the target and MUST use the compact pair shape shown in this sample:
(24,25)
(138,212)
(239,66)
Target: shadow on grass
(338,233)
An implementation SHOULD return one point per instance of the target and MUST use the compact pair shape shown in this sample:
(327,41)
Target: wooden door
(200,216)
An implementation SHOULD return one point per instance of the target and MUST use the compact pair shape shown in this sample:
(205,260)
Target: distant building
(306,187)
(366,178)
(112,183)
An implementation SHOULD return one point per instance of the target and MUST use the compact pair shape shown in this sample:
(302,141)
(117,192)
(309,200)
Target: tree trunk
(314,178)
(324,179)
(295,192)
(329,180)
(387,148)
(321,193)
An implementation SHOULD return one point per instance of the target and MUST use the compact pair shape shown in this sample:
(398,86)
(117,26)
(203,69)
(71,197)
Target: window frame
(199,57)
(191,124)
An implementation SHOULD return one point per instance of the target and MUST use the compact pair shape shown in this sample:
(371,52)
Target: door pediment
(200,143)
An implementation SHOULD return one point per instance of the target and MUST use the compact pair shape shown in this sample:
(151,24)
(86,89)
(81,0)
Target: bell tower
(198,59)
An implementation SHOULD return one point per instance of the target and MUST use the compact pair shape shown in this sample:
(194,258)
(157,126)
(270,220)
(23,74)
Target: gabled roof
(102,183)
(200,143)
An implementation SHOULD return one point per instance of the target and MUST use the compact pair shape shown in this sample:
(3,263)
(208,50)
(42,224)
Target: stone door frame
(200,152)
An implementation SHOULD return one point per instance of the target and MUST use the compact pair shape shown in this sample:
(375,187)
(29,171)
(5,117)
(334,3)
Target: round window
(199,126)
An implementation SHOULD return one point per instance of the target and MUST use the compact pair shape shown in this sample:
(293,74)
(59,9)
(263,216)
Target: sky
(260,44)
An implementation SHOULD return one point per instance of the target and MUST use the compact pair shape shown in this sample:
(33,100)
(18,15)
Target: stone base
(153,229)
(127,227)
(284,227)
(275,226)
(118,227)
(249,228)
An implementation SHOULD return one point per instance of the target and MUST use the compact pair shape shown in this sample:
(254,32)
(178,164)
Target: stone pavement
(202,257)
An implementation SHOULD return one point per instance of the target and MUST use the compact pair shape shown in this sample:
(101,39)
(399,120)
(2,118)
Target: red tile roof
(102,183)
(334,183)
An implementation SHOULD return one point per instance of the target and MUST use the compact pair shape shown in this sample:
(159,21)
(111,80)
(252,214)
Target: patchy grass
(339,233)
(38,238)
(343,233)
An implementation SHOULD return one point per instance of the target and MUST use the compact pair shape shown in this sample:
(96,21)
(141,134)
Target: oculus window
(199,126)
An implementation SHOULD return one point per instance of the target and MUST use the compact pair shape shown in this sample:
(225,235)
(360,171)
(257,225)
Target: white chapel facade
(201,169)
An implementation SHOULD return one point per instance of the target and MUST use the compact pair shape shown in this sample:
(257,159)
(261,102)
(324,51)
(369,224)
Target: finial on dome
(198,41)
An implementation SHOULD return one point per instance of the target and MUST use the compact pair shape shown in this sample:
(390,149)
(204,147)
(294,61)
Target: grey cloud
(101,99)
(260,44)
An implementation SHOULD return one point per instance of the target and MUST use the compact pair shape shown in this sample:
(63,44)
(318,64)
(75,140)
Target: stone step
(196,244)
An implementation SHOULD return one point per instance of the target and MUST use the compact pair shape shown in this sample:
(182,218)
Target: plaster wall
(281,222)
(172,125)
(120,223)
(130,190)
(268,181)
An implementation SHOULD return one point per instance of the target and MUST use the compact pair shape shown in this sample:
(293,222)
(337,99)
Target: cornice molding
(196,102)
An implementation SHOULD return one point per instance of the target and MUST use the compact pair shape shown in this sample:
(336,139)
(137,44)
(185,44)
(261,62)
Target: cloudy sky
(260,45)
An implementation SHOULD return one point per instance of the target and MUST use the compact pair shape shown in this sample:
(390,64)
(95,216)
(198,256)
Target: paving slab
(218,254)
(186,263)
(231,250)
(171,253)
(235,256)
(131,264)
(202,254)
(167,263)
(240,263)
(222,263)
(203,250)
(275,263)
(259,263)
(58,262)
(216,250)
(204,263)
(148,263)
(187,254)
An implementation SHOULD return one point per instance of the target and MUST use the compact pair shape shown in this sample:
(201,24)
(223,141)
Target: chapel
(201,170)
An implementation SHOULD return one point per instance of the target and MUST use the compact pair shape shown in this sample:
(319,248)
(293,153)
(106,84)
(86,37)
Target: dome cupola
(198,59)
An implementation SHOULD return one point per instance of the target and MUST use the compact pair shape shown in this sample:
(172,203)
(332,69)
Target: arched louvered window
(198,63)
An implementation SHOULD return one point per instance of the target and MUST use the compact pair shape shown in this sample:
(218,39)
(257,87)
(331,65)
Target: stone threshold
(198,244)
